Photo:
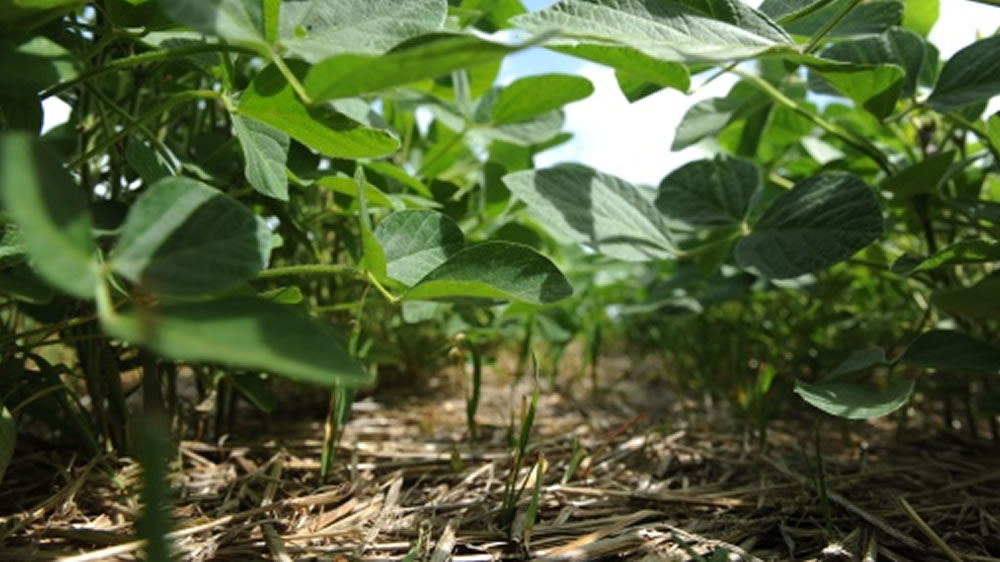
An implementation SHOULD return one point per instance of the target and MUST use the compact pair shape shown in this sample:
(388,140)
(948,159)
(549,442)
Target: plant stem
(138,123)
(316,269)
(293,80)
(393,299)
(829,25)
(144,58)
(784,100)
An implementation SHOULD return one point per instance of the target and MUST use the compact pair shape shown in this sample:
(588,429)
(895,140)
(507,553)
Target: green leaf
(823,220)
(867,18)
(318,29)
(350,75)
(588,207)
(980,301)
(708,117)
(854,401)
(270,100)
(349,186)
(51,210)
(921,15)
(965,251)
(242,332)
(896,47)
(265,151)
(8,437)
(633,67)
(858,361)
(950,349)
(708,31)
(709,193)
(494,270)
(149,164)
(238,21)
(922,177)
(183,238)
(971,76)
(416,242)
(787,11)
(531,96)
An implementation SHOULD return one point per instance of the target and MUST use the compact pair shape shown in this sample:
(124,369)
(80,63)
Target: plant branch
(144,58)
(863,146)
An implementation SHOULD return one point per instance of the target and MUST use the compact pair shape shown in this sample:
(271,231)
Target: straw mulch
(660,480)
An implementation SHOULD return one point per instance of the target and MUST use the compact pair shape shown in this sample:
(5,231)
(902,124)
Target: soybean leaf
(821,221)
(602,211)
(183,238)
(417,241)
(494,270)
(242,332)
(709,193)
(854,401)
(965,251)
(633,67)
(8,436)
(710,31)
(857,362)
(866,18)
(349,186)
(787,11)
(950,349)
(971,76)
(318,29)
(534,131)
(239,21)
(980,301)
(349,75)
(874,88)
(896,47)
(921,15)
(708,117)
(51,211)
(922,177)
(531,96)
(271,100)
(265,151)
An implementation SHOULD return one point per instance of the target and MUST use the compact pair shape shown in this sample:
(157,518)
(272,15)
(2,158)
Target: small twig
(607,442)
(927,531)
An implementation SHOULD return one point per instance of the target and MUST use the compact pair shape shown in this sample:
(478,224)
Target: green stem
(142,119)
(781,98)
(393,299)
(293,81)
(444,151)
(144,58)
(305,270)
(829,25)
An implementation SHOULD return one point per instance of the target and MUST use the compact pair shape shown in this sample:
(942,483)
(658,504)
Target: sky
(632,141)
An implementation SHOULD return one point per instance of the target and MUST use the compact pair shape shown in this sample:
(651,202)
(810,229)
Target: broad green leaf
(896,47)
(874,88)
(534,131)
(588,207)
(709,31)
(823,220)
(51,211)
(265,152)
(241,332)
(858,361)
(965,251)
(318,29)
(350,75)
(821,151)
(708,117)
(787,11)
(239,21)
(8,436)
(993,130)
(494,270)
(633,67)
(980,301)
(417,241)
(922,177)
(39,61)
(270,100)
(854,401)
(183,238)
(950,349)
(709,193)
(349,186)
(972,75)
(921,15)
(531,96)
(372,255)
(866,18)
(150,165)
(400,175)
